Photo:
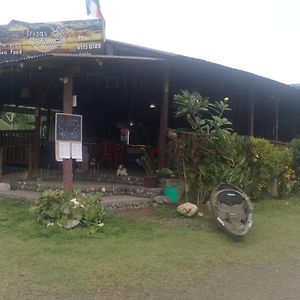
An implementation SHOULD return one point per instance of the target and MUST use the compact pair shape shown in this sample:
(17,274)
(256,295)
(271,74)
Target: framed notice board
(68,136)
(68,127)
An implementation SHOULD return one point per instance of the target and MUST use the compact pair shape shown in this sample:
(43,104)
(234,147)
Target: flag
(93,8)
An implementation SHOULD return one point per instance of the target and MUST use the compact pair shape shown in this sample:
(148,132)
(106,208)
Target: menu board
(68,136)
(68,127)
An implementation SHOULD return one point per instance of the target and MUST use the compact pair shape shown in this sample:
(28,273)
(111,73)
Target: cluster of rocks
(103,188)
(127,203)
(161,200)
(52,175)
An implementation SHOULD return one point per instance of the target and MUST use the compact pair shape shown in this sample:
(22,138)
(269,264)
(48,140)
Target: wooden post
(1,162)
(36,147)
(30,161)
(68,109)
(276,120)
(251,117)
(164,118)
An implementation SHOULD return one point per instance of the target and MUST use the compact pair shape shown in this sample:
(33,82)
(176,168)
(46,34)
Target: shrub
(295,151)
(210,154)
(57,207)
(284,173)
(271,164)
(148,162)
(230,162)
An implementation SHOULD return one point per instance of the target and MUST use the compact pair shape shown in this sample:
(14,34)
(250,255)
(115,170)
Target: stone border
(17,198)
(103,188)
(52,175)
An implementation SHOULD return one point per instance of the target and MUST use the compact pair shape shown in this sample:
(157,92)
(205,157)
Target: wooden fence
(18,148)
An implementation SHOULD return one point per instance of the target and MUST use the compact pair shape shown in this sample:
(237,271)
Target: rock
(4,186)
(72,224)
(161,200)
(187,209)
(200,214)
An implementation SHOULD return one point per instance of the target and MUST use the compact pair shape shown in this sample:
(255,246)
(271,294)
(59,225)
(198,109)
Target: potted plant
(149,164)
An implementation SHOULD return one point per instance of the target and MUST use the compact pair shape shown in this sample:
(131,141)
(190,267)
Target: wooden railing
(18,147)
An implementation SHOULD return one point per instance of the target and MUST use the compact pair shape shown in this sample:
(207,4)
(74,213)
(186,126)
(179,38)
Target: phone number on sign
(89,46)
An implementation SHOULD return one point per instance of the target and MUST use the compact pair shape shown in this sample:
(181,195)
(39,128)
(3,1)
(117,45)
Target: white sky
(258,36)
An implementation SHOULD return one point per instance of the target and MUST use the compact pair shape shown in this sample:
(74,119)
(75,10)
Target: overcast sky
(258,36)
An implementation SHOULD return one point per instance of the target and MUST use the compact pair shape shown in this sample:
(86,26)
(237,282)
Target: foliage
(57,207)
(211,154)
(208,124)
(295,151)
(16,121)
(228,163)
(204,117)
(285,175)
(165,172)
(147,162)
(268,164)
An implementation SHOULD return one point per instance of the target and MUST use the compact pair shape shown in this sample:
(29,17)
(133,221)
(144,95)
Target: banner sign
(21,39)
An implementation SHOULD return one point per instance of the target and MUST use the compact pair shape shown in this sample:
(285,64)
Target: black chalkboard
(68,127)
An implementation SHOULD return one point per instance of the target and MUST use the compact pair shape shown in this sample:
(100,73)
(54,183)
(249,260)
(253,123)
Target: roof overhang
(59,60)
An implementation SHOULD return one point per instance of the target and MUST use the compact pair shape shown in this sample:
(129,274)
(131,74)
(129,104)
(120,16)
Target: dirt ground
(145,214)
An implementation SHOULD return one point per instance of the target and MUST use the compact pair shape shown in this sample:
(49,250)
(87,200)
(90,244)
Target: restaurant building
(123,92)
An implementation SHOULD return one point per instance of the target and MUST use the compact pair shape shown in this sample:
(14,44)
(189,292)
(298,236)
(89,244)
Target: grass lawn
(138,260)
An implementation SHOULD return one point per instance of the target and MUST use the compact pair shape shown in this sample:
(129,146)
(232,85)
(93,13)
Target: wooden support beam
(30,161)
(68,109)
(162,147)
(36,147)
(251,117)
(1,162)
(276,120)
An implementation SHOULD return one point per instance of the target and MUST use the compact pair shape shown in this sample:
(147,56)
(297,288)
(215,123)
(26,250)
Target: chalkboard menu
(68,127)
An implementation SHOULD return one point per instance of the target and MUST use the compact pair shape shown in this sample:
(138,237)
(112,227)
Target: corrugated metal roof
(196,62)
(127,52)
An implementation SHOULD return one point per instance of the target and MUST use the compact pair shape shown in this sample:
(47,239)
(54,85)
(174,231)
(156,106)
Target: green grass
(39,262)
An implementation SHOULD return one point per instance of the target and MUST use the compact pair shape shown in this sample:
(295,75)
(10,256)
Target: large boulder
(187,209)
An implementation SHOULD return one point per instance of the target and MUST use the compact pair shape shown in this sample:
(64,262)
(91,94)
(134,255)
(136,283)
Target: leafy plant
(204,117)
(148,163)
(165,172)
(269,165)
(57,207)
(295,151)
(210,154)
(48,207)
(208,123)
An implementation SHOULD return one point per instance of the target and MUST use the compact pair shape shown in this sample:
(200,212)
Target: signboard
(68,136)
(22,39)
(68,127)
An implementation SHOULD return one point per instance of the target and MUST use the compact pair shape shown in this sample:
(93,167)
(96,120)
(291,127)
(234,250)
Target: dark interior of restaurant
(120,105)
(120,101)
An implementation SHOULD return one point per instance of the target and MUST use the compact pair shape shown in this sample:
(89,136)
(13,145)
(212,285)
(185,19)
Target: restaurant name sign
(21,39)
